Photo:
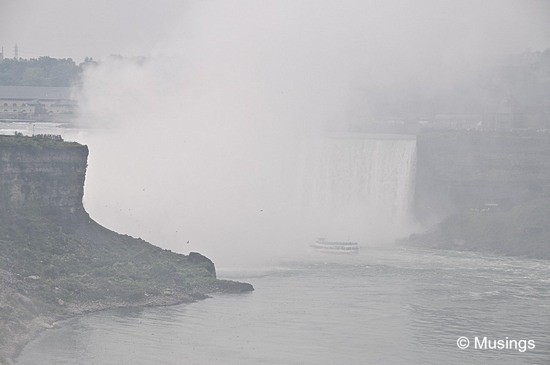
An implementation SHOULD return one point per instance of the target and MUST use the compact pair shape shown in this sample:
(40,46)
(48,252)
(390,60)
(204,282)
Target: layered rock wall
(42,173)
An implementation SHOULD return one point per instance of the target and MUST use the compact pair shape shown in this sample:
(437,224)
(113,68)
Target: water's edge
(42,324)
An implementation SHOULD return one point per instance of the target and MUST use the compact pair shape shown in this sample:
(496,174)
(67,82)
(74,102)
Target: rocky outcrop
(56,262)
(198,259)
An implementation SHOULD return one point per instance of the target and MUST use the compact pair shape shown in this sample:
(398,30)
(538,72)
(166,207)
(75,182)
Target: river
(386,305)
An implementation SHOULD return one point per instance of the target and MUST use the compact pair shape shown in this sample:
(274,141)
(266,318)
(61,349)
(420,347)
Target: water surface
(383,306)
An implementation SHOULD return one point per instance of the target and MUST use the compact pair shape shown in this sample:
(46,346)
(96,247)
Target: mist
(203,144)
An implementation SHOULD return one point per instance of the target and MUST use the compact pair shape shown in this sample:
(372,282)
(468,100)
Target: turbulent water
(383,306)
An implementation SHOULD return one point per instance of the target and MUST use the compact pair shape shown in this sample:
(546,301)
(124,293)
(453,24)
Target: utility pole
(2,54)
(16,52)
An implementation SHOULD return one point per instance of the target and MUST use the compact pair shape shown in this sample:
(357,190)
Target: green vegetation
(91,263)
(37,141)
(491,189)
(43,71)
(523,230)
(50,273)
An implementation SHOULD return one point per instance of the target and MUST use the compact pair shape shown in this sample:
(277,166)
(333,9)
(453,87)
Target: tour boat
(323,245)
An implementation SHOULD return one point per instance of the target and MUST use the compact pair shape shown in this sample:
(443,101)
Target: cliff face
(486,191)
(43,174)
(56,262)
(462,171)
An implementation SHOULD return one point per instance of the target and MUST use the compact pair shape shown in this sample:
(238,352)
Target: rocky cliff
(463,170)
(56,262)
(486,190)
(42,173)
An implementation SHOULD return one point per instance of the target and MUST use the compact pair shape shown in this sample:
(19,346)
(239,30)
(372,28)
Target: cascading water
(243,200)
(359,186)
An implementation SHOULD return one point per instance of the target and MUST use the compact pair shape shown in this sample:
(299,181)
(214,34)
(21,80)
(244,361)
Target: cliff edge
(56,262)
(484,191)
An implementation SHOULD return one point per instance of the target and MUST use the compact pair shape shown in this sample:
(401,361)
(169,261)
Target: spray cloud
(202,141)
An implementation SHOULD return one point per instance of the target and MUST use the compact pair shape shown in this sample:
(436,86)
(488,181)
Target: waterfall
(359,186)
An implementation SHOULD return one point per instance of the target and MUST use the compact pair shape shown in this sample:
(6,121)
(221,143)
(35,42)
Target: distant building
(457,121)
(36,103)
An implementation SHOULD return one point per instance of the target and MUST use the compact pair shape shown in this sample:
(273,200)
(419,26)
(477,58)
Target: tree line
(42,71)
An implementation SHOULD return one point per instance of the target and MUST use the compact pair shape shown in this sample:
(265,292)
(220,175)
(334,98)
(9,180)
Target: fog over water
(207,139)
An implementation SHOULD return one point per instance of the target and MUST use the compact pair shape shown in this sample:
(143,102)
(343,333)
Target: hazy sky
(79,28)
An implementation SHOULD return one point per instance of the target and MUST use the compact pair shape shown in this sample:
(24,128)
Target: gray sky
(79,28)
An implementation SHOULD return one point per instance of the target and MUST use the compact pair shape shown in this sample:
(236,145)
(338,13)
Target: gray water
(384,306)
